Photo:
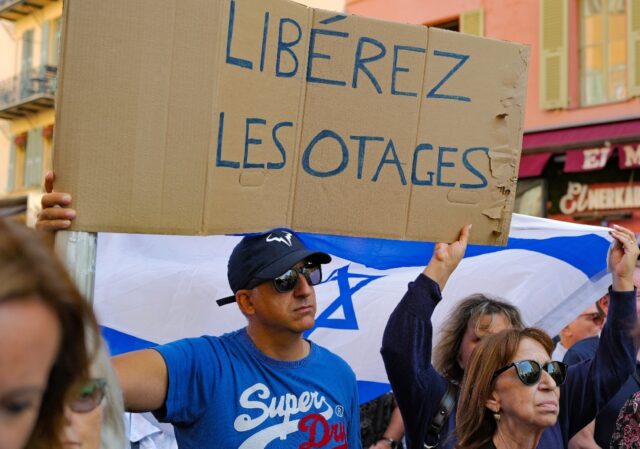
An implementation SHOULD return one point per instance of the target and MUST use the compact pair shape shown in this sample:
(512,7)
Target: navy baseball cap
(260,258)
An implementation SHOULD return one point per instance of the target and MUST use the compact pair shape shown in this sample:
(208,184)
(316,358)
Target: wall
(332,5)
(515,20)
(7,70)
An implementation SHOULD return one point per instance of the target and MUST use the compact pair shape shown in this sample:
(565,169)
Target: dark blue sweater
(418,387)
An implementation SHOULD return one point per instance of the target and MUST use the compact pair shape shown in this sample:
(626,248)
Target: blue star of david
(345,300)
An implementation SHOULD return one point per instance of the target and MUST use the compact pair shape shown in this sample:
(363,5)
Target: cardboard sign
(228,116)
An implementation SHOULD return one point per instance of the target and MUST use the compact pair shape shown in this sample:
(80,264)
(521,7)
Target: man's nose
(303,287)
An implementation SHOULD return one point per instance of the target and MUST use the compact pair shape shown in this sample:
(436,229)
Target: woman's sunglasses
(89,396)
(289,279)
(529,371)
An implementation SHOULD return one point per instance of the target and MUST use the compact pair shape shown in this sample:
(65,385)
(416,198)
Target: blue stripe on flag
(384,254)
(368,391)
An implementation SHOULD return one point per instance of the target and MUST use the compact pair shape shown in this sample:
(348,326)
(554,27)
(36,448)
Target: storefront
(584,174)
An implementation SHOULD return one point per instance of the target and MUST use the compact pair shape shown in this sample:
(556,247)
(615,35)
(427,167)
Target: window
(33,156)
(17,160)
(25,161)
(603,51)
(530,197)
(452,25)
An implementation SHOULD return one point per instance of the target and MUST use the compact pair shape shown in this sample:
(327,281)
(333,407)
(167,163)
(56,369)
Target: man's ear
(604,304)
(566,332)
(245,302)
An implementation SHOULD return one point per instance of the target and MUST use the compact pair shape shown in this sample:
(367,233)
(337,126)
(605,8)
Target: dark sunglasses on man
(530,371)
(288,280)
(88,396)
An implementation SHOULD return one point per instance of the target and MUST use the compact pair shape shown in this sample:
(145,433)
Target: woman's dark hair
(475,424)
(28,269)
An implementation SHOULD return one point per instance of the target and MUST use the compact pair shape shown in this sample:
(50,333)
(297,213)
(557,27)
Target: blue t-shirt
(225,393)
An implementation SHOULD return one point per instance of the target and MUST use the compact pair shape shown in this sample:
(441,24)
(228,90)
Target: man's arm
(406,344)
(143,378)
(394,431)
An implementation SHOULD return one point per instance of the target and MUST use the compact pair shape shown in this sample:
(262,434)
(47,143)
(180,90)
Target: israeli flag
(155,289)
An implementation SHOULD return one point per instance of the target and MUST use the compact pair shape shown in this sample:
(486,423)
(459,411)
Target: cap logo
(286,238)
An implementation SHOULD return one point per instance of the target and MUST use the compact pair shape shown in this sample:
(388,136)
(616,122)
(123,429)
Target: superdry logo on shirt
(311,410)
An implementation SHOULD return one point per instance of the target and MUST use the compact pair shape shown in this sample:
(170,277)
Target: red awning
(532,164)
(582,136)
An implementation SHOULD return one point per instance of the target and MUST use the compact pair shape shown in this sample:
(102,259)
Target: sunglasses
(89,396)
(289,279)
(529,371)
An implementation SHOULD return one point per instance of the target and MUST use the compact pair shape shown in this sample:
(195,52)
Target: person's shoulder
(333,361)
(587,345)
(206,340)
(582,350)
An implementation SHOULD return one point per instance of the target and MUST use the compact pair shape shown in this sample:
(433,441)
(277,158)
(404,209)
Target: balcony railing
(28,93)
(17,9)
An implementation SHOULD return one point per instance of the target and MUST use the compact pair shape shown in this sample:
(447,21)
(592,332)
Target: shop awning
(582,136)
(532,164)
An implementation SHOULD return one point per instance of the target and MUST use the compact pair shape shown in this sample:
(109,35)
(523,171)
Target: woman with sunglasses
(510,392)
(94,411)
(43,322)
(427,394)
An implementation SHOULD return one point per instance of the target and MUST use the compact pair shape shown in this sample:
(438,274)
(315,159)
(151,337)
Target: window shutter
(12,166)
(472,22)
(27,63)
(33,166)
(634,48)
(57,27)
(44,49)
(553,54)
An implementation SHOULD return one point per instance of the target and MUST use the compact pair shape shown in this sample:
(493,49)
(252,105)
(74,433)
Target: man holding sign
(259,384)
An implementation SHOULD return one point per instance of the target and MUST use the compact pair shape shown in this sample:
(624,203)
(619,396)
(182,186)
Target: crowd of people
(489,382)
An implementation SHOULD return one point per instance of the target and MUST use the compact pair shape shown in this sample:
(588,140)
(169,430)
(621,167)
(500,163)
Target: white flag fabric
(155,289)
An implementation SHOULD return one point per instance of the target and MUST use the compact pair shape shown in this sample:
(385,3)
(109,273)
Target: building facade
(581,147)
(7,69)
(27,99)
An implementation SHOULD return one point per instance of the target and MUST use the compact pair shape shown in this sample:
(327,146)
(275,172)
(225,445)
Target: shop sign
(587,160)
(593,197)
(629,155)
